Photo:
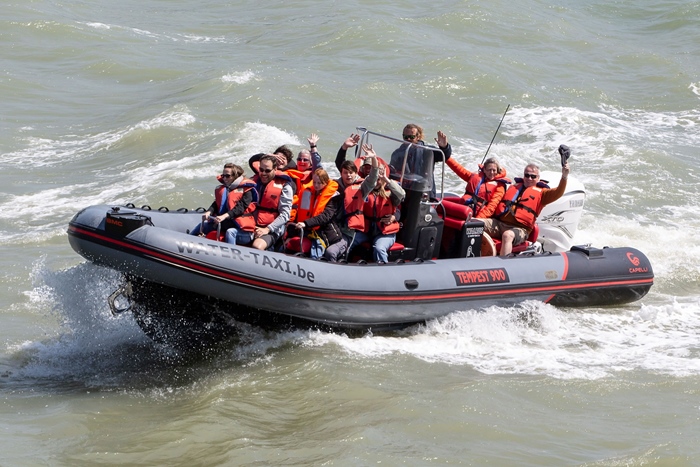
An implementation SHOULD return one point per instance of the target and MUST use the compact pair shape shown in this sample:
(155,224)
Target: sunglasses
(409,137)
(266,171)
(532,176)
(226,175)
(303,160)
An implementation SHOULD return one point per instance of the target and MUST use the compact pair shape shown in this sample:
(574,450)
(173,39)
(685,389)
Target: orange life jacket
(374,209)
(266,210)
(524,203)
(311,204)
(235,195)
(301,180)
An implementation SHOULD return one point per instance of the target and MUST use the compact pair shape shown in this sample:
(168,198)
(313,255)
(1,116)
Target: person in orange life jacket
(381,213)
(275,194)
(321,218)
(308,161)
(231,199)
(413,133)
(484,188)
(517,212)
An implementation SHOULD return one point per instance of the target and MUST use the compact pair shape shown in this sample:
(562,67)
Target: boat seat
(296,245)
(213,234)
(455,213)
(532,238)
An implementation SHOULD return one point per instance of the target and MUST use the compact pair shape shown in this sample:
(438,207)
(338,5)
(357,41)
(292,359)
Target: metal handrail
(364,138)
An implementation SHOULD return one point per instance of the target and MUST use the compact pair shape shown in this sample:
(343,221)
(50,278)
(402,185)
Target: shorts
(495,229)
(269,239)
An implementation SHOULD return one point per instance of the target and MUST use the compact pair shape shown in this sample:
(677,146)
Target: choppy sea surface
(143,102)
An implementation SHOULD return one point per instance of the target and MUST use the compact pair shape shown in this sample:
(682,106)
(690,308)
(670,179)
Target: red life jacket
(354,204)
(311,204)
(478,191)
(235,195)
(524,203)
(377,207)
(266,210)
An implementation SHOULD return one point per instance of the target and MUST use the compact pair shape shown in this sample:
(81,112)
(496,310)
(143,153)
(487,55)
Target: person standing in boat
(517,212)
(263,222)
(418,161)
(484,189)
(379,221)
(319,216)
(231,198)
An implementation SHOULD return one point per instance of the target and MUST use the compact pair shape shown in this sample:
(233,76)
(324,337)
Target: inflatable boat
(435,268)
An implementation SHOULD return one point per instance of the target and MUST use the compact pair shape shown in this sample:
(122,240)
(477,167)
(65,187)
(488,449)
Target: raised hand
(441,140)
(351,141)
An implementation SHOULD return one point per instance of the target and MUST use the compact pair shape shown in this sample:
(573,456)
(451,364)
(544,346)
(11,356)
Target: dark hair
(349,166)
(288,154)
(419,130)
(236,169)
(271,158)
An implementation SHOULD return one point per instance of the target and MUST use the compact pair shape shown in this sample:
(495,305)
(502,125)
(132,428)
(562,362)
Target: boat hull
(353,296)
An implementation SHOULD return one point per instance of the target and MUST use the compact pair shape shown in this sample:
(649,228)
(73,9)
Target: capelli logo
(635,262)
(633,259)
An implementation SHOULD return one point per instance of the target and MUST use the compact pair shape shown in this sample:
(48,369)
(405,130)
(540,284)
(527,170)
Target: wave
(93,348)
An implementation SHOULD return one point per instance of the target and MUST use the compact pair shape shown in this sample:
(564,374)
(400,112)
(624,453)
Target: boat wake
(539,339)
(95,350)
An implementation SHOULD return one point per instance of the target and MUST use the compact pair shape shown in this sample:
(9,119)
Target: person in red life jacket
(341,156)
(517,212)
(354,190)
(263,222)
(318,216)
(380,214)
(307,161)
(484,188)
(231,199)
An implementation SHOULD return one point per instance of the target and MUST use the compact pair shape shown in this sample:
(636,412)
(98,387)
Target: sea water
(143,102)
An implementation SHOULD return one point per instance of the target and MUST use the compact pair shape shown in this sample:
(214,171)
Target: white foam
(538,339)
(695,88)
(238,78)
(97,25)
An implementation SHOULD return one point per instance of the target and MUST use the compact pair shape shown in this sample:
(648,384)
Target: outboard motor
(559,220)
(121,223)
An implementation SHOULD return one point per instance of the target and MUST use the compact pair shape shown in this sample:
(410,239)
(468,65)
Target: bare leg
(260,244)
(507,242)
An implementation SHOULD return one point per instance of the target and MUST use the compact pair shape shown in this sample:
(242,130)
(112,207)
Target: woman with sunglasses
(484,189)
(517,212)
(231,199)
